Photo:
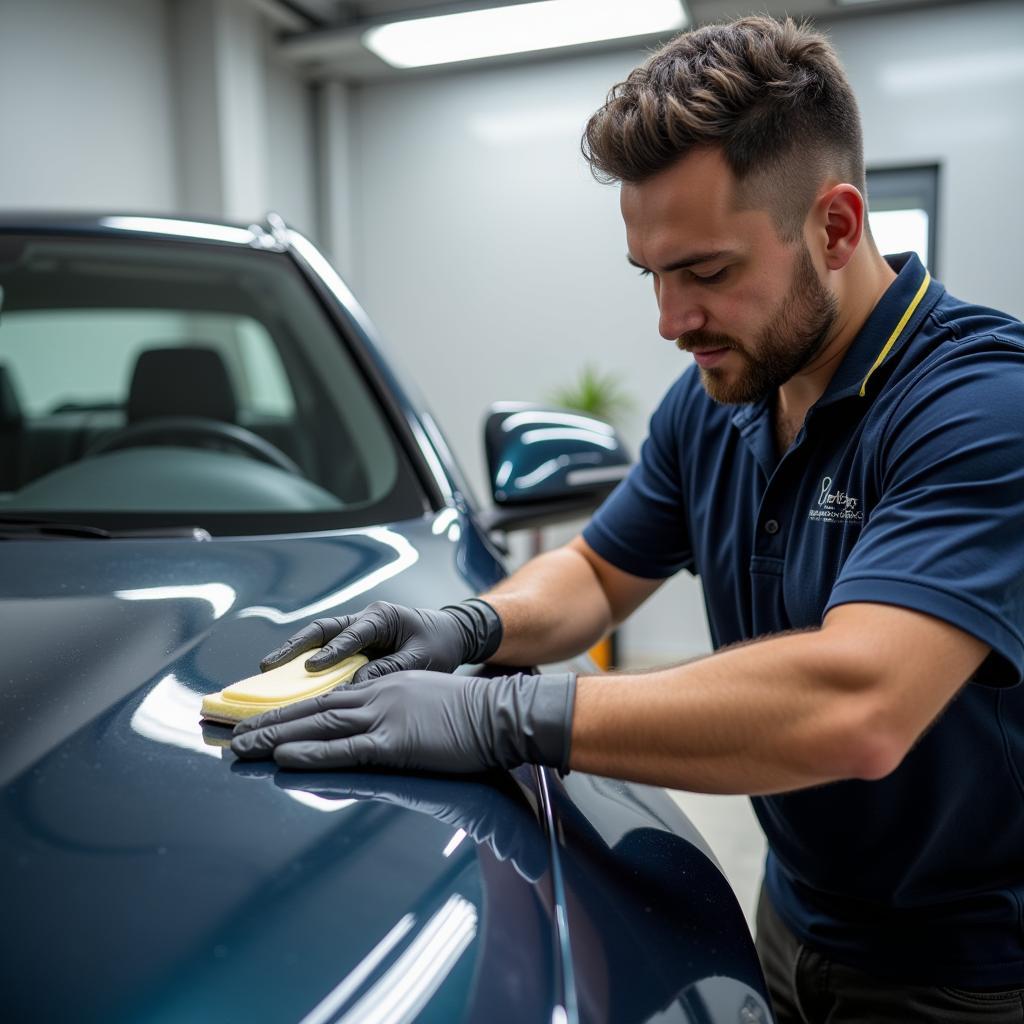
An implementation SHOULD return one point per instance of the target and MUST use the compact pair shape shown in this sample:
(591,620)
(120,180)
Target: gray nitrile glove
(396,638)
(431,721)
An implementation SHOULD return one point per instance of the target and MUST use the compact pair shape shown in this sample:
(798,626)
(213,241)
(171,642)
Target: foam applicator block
(274,689)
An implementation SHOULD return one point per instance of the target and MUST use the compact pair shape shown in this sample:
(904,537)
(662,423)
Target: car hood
(148,876)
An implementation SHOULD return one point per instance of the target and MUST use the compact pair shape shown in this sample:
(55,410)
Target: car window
(163,378)
(34,341)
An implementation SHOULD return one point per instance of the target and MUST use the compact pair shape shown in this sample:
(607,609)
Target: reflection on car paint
(407,555)
(443,520)
(219,596)
(169,714)
(402,991)
(325,804)
(350,984)
(540,435)
(454,842)
(181,228)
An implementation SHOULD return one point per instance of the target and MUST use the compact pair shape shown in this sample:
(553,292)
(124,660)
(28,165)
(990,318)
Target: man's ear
(840,214)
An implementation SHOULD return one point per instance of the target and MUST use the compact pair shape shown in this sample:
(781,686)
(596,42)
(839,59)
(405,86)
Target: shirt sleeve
(641,526)
(947,535)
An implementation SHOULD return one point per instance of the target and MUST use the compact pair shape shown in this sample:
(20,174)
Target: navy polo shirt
(905,486)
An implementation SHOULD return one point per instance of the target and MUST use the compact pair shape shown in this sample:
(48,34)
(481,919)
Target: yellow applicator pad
(274,689)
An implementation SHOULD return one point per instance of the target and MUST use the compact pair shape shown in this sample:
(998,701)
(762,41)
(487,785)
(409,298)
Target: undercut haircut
(770,95)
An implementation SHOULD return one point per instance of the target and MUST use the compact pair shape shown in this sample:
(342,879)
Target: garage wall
(86,109)
(152,106)
(495,266)
(290,146)
(947,86)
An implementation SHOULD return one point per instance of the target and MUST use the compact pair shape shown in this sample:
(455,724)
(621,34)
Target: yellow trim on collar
(897,330)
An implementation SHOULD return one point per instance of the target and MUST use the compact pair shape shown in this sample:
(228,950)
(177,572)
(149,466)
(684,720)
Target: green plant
(593,392)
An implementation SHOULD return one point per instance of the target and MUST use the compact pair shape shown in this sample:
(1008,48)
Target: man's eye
(644,272)
(712,278)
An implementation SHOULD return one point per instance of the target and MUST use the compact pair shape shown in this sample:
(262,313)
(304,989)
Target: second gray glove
(396,638)
(430,721)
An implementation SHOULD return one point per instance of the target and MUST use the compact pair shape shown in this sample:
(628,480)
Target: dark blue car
(201,448)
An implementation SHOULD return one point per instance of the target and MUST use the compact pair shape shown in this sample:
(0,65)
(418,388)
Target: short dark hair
(771,95)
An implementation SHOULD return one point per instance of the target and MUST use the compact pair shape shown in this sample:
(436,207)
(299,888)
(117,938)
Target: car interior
(178,377)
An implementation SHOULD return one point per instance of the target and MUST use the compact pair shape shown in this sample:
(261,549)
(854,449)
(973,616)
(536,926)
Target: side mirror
(547,465)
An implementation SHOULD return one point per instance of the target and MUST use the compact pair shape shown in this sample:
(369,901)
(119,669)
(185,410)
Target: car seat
(11,420)
(181,381)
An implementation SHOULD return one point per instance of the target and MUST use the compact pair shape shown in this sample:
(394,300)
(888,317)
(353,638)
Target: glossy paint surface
(166,881)
(656,932)
(537,454)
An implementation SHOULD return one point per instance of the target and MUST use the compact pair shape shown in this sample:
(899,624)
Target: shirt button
(771,526)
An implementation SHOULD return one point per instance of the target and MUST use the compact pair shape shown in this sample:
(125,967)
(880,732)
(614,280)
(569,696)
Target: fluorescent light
(522,28)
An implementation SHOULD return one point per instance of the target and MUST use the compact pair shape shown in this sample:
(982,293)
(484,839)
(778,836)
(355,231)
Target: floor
(732,831)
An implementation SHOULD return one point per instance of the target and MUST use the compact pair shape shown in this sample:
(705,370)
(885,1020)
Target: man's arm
(561,603)
(844,701)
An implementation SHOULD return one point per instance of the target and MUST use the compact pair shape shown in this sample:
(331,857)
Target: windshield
(169,382)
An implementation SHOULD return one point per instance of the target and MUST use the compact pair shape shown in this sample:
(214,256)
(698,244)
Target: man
(844,469)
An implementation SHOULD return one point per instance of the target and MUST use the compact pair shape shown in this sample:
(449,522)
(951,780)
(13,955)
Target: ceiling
(323,36)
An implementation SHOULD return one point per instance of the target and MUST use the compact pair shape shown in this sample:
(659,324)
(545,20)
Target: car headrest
(10,407)
(182,381)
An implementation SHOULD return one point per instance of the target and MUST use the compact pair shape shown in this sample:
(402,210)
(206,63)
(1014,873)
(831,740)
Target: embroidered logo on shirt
(836,506)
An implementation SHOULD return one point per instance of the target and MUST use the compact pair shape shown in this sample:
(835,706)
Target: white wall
(289,146)
(86,111)
(495,266)
(947,86)
(152,106)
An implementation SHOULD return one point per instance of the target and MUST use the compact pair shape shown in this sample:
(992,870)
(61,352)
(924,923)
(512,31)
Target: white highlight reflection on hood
(407,555)
(443,520)
(325,1010)
(400,993)
(320,803)
(219,596)
(169,713)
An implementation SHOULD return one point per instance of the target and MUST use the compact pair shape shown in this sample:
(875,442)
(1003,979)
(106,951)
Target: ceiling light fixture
(521,28)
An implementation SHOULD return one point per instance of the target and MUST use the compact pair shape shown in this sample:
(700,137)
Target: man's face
(750,307)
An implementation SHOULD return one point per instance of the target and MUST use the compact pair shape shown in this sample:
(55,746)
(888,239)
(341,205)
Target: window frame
(919,183)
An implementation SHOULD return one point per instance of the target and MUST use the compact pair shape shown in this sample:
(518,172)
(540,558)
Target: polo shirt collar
(894,320)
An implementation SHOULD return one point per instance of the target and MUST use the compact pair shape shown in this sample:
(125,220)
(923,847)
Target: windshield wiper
(15,527)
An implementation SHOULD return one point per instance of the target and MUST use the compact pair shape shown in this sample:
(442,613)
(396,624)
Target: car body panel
(146,875)
(189,864)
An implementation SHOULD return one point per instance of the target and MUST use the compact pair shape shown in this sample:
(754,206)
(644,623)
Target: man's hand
(428,721)
(401,638)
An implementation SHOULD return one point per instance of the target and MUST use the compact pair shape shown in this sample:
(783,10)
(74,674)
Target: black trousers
(807,988)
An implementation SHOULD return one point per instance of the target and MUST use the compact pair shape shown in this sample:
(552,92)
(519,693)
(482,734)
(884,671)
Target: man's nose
(679,313)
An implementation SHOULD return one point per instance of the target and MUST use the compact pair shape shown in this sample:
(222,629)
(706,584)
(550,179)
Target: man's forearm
(551,609)
(760,718)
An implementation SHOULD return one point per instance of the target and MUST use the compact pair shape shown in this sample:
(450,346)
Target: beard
(795,333)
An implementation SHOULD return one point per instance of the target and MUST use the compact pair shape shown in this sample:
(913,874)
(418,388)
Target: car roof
(269,234)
